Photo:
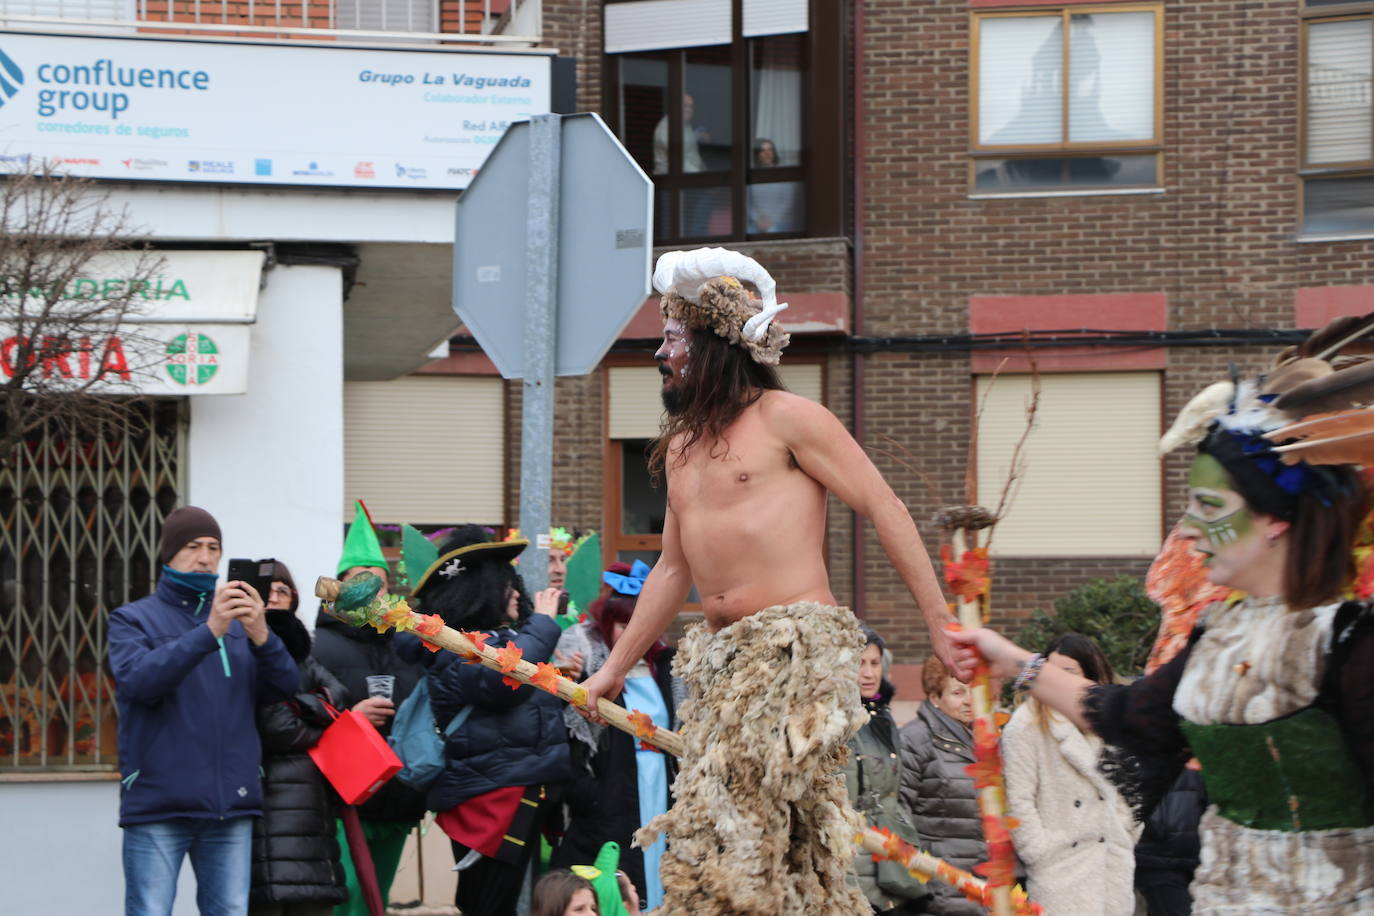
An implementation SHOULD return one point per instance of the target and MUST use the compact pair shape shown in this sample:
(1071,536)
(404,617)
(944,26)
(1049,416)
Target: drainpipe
(857,359)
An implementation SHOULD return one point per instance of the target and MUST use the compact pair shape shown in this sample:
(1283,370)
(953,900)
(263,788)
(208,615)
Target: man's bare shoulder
(791,414)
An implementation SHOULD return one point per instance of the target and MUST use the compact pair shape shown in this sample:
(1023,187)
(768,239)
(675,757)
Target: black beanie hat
(182,527)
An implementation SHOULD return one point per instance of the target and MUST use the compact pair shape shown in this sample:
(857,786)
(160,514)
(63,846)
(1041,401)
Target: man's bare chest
(727,478)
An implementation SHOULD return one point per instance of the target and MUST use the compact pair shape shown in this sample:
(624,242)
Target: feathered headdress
(1311,408)
(705,289)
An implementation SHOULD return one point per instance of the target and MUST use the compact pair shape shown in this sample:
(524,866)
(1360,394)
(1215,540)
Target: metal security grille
(80,516)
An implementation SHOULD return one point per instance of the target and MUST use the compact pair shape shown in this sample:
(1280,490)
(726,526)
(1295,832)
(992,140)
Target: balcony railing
(484,22)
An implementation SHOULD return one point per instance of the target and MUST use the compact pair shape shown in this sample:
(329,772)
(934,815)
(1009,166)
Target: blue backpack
(417,740)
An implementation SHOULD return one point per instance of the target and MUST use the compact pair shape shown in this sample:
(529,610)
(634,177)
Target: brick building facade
(1216,239)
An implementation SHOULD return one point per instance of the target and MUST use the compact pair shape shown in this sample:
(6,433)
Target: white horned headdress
(705,289)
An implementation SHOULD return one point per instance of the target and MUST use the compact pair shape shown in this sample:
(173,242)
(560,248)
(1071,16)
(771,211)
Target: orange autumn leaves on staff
(644,729)
(968,578)
(509,659)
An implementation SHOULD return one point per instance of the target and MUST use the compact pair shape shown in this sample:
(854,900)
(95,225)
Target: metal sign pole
(541,338)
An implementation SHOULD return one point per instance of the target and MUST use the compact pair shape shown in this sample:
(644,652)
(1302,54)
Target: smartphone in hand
(257,573)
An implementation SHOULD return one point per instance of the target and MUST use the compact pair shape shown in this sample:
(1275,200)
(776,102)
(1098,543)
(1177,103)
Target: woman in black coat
(510,751)
(296,857)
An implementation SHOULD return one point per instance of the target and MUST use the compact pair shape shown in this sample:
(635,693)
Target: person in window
(873,777)
(692,137)
(619,786)
(1075,834)
(1274,691)
(297,868)
(772,205)
(937,746)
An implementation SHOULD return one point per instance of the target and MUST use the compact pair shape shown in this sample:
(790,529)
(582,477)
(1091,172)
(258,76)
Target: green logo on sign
(192,359)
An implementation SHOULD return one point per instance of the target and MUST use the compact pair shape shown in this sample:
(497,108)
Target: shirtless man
(748,466)
(746,515)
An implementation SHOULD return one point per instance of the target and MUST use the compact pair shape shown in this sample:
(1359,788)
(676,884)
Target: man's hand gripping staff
(356,602)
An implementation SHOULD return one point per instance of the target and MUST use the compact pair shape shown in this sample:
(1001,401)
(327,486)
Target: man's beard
(672,393)
(674,401)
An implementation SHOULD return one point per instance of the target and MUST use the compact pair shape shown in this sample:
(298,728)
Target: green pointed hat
(361,547)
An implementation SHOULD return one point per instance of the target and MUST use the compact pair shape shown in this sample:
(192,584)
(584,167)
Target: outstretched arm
(1053,686)
(669,583)
(826,451)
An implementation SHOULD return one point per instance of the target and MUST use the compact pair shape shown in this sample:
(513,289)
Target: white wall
(61,846)
(268,464)
(173,211)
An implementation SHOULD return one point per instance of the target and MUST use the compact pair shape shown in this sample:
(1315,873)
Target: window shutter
(804,379)
(774,17)
(650,25)
(1020,80)
(1111,77)
(1091,484)
(636,410)
(428,450)
(1338,91)
(387,15)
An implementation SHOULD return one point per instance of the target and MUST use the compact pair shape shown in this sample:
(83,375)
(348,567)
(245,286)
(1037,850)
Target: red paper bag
(354,757)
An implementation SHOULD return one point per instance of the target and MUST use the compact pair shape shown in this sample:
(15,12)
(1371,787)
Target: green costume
(1270,701)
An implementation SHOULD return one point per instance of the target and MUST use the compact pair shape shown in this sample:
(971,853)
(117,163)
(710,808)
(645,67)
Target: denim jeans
(221,857)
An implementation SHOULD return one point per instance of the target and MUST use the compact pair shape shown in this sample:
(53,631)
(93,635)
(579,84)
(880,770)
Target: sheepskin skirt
(761,823)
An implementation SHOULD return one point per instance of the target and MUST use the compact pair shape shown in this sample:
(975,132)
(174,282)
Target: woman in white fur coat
(1076,835)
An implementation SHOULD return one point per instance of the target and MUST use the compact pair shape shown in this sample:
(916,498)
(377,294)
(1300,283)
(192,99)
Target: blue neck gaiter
(191,584)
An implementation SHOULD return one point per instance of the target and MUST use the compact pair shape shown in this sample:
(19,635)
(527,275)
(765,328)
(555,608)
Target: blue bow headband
(631,584)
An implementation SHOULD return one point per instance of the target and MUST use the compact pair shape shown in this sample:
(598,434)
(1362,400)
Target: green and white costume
(1278,706)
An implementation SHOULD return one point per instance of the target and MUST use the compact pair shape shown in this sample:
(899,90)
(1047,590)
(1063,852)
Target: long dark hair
(554,893)
(1320,540)
(722,381)
(1087,653)
(1090,658)
(476,598)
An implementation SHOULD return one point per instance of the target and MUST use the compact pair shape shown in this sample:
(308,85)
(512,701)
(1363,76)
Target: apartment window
(1067,100)
(1337,156)
(1091,484)
(718,102)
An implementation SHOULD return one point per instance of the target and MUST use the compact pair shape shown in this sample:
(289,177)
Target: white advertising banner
(302,114)
(187,333)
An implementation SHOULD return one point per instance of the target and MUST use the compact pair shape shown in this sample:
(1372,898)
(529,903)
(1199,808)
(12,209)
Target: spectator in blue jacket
(191,662)
(511,748)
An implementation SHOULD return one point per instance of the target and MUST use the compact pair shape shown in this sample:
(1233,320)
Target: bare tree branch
(1016,470)
(73,271)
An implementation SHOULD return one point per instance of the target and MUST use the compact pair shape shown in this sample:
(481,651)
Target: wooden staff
(665,740)
(992,799)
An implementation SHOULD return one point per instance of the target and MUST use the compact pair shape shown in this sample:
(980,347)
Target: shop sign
(188,331)
(240,113)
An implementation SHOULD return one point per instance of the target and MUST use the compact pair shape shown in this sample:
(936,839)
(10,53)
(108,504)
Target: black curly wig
(476,598)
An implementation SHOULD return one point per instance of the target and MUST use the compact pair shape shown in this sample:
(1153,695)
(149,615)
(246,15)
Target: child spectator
(562,893)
